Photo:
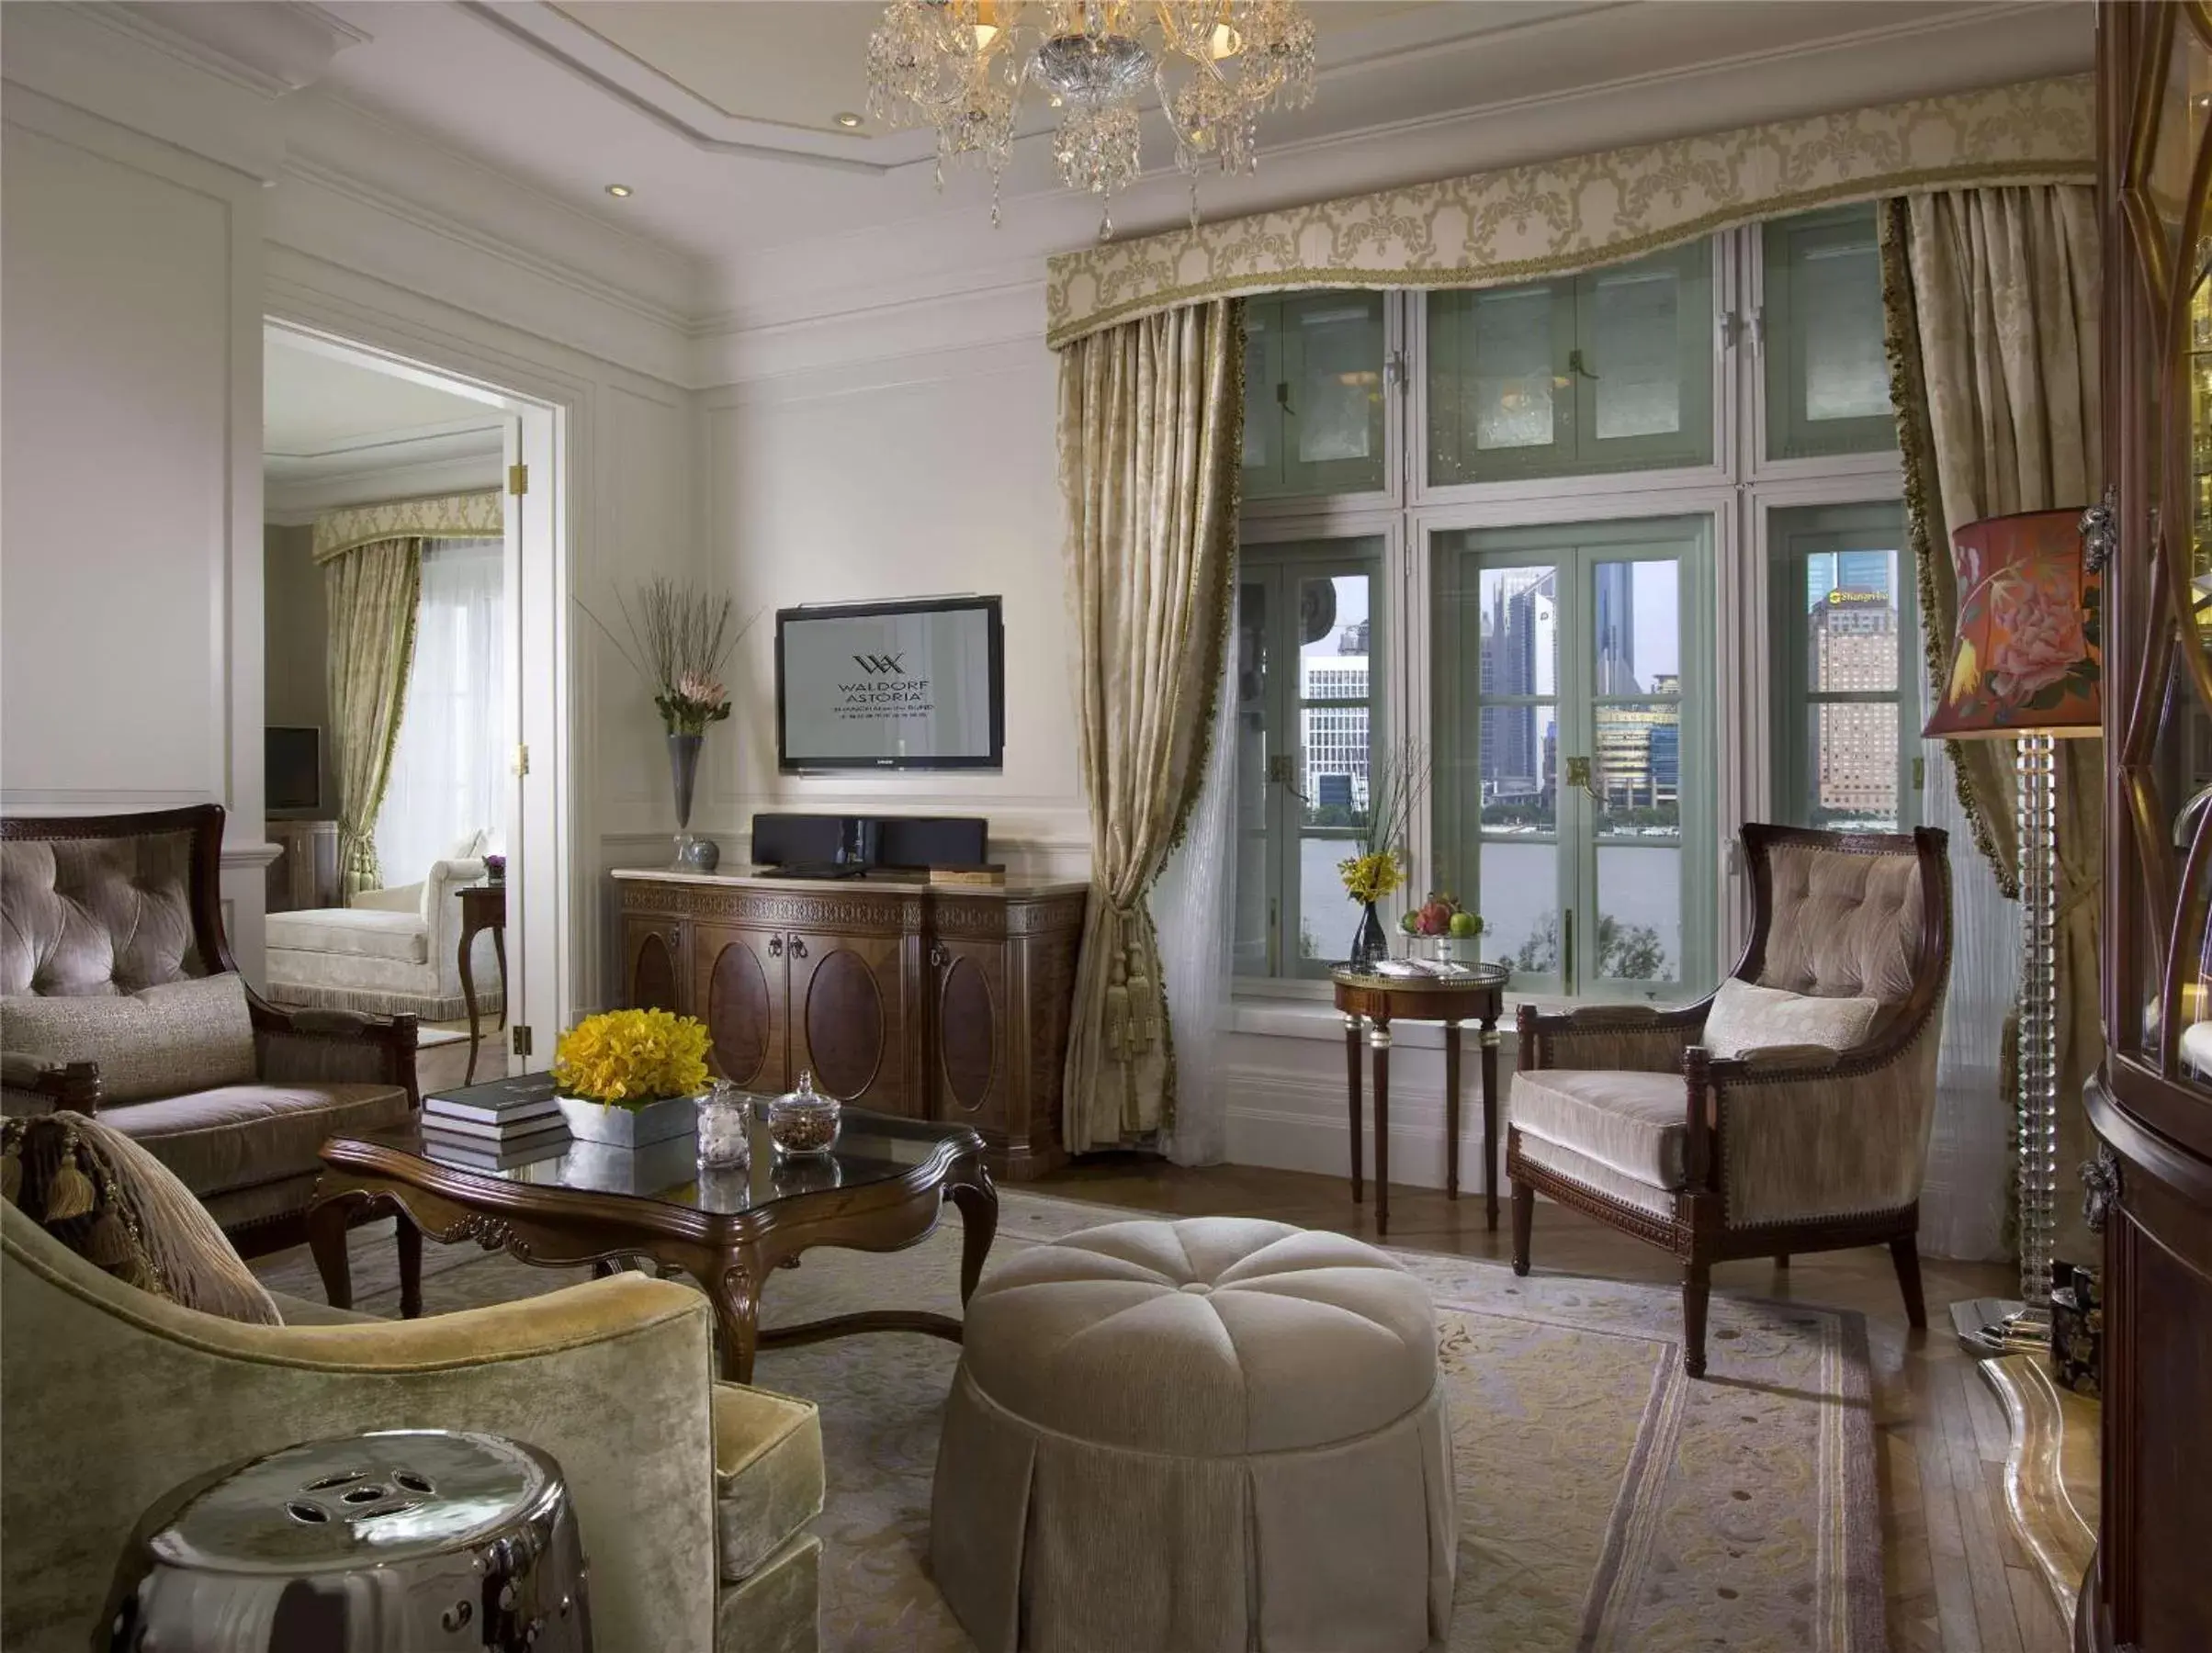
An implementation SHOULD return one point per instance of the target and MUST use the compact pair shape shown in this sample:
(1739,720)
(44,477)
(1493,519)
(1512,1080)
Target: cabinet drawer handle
(798,948)
(938,956)
(775,947)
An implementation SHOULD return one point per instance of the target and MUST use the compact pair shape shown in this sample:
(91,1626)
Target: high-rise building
(1336,739)
(1853,649)
(1520,657)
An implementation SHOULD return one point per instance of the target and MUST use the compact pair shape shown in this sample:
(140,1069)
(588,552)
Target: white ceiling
(324,417)
(717,113)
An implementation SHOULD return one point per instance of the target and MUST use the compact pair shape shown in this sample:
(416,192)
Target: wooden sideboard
(306,875)
(935,1002)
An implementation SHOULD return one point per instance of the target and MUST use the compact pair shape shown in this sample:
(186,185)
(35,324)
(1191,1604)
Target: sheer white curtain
(449,764)
(1971,1164)
(1192,909)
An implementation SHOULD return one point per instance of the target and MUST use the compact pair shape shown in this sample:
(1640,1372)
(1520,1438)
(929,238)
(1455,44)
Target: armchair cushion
(97,914)
(768,1475)
(1745,1017)
(186,1035)
(361,932)
(1842,923)
(241,1134)
(115,1205)
(1636,1125)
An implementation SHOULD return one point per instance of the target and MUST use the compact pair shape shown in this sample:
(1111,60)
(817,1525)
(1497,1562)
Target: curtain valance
(445,516)
(1522,222)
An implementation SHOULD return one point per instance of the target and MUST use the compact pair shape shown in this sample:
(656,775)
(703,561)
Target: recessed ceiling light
(847,119)
(618,190)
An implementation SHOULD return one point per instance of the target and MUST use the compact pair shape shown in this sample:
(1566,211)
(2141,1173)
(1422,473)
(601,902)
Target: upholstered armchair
(1787,1112)
(692,1496)
(121,999)
(391,951)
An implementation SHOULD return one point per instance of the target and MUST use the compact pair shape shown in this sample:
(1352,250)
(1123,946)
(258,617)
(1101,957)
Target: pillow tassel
(69,1195)
(109,1242)
(11,1176)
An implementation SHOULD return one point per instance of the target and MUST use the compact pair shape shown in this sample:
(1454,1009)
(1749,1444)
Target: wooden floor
(1955,1577)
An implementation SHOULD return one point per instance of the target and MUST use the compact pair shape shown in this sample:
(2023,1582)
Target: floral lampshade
(2030,656)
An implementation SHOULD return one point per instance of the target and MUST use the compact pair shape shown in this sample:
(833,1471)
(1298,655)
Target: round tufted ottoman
(1212,1434)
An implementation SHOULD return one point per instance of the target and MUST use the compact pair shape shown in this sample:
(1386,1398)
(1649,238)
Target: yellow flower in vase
(1370,878)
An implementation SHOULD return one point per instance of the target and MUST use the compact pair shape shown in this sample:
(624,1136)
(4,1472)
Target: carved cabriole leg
(1905,1254)
(410,1265)
(1352,1076)
(327,1222)
(1379,1041)
(1697,1286)
(1524,1220)
(737,1301)
(978,1204)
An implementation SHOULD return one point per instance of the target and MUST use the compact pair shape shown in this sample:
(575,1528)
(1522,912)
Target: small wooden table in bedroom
(483,907)
(1376,1001)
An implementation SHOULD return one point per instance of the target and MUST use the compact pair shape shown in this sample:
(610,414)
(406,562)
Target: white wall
(920,471)
(130,554)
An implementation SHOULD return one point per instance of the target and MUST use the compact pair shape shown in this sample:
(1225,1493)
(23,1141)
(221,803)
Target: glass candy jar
(804,1120)
(725,1121)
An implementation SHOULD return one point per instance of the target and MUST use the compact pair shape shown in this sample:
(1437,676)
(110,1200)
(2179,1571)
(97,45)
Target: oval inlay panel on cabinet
(966,1033)
(653,976)
(844,1022)
(737,1013)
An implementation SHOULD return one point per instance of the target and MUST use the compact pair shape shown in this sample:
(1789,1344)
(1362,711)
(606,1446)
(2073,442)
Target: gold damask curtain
(374,592)
(1150,436)
(1992,299)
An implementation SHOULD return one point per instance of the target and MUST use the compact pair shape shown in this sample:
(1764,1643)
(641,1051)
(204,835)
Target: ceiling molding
(270,47)
(301,499)
(590,56)
(381,450)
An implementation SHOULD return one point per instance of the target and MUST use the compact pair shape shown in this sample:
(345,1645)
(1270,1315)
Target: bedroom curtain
(1992,300)
(449,774)
(1150,440)
(374,590)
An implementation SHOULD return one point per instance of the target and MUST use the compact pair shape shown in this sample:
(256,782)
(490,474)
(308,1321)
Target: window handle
(1282,398)
(1283,770)
(1576,364)
(1578,776)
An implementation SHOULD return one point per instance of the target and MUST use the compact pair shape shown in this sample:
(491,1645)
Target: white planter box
(630,1127)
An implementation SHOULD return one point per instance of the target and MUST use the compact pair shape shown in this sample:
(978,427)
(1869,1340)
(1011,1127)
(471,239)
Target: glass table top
(871,1148)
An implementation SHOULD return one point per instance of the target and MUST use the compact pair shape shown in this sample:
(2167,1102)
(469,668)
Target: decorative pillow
(466,846)
(161,1041)
(118,1207)
(1748,1017)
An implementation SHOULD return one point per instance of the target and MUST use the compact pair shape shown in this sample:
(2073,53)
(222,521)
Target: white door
(537,897)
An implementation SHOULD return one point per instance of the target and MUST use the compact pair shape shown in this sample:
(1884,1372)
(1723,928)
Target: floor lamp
(2026,667)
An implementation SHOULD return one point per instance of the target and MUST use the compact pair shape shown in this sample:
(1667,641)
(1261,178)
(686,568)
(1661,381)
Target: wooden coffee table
(881,1190)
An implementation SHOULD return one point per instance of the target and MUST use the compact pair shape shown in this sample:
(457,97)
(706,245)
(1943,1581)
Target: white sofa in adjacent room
(394,950)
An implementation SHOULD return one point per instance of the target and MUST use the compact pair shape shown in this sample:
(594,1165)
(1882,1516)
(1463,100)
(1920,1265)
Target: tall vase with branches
(1396,779)
(680,640)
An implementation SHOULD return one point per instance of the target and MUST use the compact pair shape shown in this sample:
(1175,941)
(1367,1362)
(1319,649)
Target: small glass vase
(724,1127)
(1371,943)
(684,773)
(803,1121)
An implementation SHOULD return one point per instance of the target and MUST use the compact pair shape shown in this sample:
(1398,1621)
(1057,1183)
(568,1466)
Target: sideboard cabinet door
(740,991)
(969,989)
(652,960)
(850,1013)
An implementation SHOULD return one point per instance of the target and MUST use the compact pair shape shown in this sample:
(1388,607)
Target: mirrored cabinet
(2151,1103)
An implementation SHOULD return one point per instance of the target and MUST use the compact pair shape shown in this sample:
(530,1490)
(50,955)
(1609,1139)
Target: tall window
(1309,658)
(1633,538)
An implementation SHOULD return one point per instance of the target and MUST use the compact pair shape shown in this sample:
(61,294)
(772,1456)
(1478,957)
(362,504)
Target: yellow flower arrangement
(627,1058)
(1372,877)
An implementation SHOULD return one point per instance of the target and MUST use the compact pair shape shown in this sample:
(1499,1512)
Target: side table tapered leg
(1352,1075)
(1379,1041)
(1452,1110)
(1490,1123)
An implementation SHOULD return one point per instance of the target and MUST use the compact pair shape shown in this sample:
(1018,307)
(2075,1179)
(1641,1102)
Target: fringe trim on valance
(1521,223)
(444,517)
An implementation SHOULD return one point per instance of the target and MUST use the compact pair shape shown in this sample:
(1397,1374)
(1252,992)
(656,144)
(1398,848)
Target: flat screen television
(891,685)
(292,767)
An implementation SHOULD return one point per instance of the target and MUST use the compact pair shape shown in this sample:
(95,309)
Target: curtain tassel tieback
(1133,1018)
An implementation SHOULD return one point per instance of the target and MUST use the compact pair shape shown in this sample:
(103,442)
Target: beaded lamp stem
(2037,773)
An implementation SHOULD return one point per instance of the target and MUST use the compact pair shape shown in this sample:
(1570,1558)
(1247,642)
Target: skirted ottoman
(1212,1434)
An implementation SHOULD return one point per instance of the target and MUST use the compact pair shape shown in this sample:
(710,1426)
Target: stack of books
(495,1126)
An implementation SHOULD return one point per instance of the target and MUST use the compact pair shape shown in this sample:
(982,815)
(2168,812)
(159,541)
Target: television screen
(292,767)
(892,685)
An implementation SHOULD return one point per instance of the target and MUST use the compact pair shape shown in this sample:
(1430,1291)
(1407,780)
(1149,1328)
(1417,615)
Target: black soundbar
(825,846)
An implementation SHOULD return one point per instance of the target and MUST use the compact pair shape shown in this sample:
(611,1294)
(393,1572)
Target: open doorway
(420,868)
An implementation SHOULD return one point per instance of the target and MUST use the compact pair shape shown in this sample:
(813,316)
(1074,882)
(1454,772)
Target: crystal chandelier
(959,66)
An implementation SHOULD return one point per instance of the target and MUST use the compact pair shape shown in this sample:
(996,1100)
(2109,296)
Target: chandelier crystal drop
(960,67)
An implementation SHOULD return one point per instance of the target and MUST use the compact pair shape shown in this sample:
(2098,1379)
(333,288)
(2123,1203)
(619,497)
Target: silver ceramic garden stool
(418,1540)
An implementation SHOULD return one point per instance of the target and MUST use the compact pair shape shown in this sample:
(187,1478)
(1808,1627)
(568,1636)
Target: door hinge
(521,1038)
(522,759)
(1393,371)
(518,480)
(1919,775)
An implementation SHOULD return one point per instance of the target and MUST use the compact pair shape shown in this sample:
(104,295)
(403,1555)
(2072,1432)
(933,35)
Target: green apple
(1466,924)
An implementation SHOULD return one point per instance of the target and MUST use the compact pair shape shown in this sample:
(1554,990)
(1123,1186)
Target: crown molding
(297,499)
(269,47)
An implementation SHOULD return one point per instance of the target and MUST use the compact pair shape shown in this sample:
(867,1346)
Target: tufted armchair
(119,995)
(1773,1144)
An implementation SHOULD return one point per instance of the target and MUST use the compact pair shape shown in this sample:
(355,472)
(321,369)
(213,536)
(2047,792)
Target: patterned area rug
(1605,1501)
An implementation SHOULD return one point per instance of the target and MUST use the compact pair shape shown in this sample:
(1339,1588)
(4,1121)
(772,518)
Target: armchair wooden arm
(33,1084)
(1624,1037)
(303,1046)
